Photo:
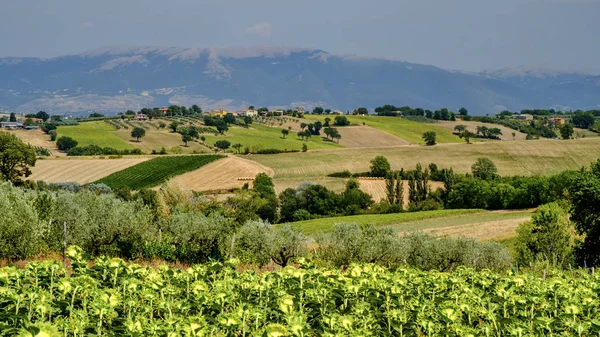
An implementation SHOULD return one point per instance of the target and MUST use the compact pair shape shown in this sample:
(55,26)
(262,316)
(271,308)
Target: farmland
(82,171)
(405,129)
(155,139)
(542,156)
(326,224)
(116,298)
(156,171)
(258,137)
(94,133)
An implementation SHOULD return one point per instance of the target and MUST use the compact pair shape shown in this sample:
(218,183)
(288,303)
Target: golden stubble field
(79,170)
(511,157)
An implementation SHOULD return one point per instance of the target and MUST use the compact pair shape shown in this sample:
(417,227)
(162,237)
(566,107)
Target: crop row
(115,298)
(156,171)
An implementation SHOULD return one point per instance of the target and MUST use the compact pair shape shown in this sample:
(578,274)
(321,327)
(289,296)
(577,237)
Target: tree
(429,137)
(248,120)
(66,143)
(138,133)
(566,131)
(203,139)
(222,144)
(585,212)
(361,111)
(174,125)
(303,126)
(304,147)
(485,169)
(16,158)
(467,136)
(327,120)
(583,119)
(463,112)
(42,115)
(237,146)
(380,167)
(186,138)
(162,125)
(264,187)
(229,119)
(547,237)
(317,110)
(12,118)
(514,135)
(328,111)
(221,125)
(196,109)
(460,128)
(341,121)
(285,132)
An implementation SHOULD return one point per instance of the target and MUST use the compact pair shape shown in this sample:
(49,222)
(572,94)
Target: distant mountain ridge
(115,79)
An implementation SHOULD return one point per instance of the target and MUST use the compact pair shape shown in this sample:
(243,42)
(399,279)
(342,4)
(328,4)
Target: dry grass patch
(82,171)
(472,126)
(366,136)
(512,157)
(38,138)
(156,139)
(222,174)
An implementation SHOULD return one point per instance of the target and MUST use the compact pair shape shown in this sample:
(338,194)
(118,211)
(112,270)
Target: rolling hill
(114,79)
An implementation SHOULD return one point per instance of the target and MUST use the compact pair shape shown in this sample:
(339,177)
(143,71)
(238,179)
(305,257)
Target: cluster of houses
(18,125)
(554,120)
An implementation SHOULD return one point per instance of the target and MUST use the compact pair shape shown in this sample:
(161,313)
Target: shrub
(484,168)
(66,186)
(251,243)
(380,166)
(21,231)
(66,143)
(343,174)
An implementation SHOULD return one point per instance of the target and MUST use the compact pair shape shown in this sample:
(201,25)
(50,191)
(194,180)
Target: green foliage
(115,298)
(484,168)
(547,237)
(66,143)
(429,137)
(566,131)
(138,133)
(16,158)
(380,167)
(341,121)
(156,171)
(222,144)
(304,147)
(583,120)
(585,211)
(22,232)
(350,243)
(264,187)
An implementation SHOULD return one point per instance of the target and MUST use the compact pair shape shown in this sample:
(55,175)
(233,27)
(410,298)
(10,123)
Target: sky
(468,35)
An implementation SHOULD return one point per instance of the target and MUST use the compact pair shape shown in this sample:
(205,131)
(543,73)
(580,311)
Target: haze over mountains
(115,79)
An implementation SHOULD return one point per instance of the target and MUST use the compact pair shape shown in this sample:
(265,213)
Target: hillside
(115,79)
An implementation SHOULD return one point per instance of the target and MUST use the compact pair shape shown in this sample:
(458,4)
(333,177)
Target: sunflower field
(110,297)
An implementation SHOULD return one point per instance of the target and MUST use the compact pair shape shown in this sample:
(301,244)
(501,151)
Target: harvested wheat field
(366,136)
(376,188)
(472,126)
(222,174)
(82,171)
(38,138)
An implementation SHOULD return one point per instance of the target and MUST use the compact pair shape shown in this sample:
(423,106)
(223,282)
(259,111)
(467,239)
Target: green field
(400,127)
(264,137)
(544,156)
(326,224)
(94,133)
(156,171)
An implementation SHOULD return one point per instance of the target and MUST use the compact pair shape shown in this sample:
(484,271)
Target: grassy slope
(156,171)
(511,157)
(156,139)
(265,137)
(400,127)
(94,133)
(326,224)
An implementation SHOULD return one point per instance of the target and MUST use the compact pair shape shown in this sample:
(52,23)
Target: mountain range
(114,79)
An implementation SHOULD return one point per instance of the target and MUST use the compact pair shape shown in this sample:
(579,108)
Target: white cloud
(88,25)
(262,29)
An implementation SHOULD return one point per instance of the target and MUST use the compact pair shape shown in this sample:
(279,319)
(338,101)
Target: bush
(66,186)
(66,143)
(380,167)
(251,244)
(21,231)
(343,174)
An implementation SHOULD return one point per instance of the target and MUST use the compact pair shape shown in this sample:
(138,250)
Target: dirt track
(222,174)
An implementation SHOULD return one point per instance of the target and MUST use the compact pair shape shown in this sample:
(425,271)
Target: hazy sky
(453,34)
